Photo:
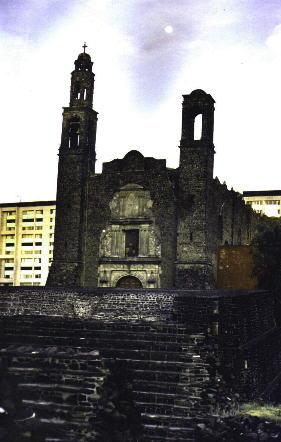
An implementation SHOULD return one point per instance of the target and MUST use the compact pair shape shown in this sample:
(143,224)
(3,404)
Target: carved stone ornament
(118,275)
(106,242)
(131,202)
(154,242)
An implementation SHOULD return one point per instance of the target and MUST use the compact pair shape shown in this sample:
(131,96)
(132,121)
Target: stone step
(59,366)
(177,388)
(118,348)
(174,399)
(164,419)
(92,341)
(71,323)
(21,351)
(155,434)
(151,336)
(151,355)
(42,372)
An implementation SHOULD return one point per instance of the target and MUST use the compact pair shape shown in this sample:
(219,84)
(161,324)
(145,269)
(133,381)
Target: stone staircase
(58,364)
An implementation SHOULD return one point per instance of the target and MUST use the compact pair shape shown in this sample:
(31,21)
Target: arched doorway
(129,282)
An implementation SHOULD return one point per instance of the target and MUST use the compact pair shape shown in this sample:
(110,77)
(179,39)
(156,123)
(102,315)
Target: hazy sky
(146,54)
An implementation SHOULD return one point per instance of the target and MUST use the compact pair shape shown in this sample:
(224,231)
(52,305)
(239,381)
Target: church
(140,224)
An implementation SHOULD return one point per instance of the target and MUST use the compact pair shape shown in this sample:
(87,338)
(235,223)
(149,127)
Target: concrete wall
(235,268)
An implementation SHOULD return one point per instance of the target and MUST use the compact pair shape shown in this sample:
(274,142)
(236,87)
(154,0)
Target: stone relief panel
(132,201)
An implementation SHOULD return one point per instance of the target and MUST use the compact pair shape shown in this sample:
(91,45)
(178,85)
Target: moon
(168,29)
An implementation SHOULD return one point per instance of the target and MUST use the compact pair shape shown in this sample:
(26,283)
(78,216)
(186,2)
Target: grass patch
(265,411)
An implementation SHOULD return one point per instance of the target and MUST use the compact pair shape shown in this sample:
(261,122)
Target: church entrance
(129,282)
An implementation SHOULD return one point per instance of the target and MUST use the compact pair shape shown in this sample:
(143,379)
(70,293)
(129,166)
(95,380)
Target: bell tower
(76,161)
(194,265)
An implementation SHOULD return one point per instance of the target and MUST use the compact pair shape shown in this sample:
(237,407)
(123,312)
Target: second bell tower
(76,161)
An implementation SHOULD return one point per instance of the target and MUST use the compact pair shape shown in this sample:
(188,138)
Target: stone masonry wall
(230,221)
(155,178)
(180,348)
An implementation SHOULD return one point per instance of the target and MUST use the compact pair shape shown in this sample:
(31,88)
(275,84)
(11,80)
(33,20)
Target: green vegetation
(264,411)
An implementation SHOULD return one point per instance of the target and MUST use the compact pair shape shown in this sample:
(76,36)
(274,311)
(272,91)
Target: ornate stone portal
(130,245)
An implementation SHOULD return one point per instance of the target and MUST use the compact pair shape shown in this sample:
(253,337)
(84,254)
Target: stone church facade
(139,223)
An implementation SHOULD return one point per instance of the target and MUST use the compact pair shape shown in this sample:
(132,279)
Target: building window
(198,127)
(73,134)
(132,242)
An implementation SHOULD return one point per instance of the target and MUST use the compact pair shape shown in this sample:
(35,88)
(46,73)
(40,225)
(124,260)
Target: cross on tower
(84,46)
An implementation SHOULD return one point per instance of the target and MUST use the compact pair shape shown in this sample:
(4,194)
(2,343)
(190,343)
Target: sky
(146,54)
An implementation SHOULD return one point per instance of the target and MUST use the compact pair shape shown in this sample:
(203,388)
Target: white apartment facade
(265,202)
(26,242)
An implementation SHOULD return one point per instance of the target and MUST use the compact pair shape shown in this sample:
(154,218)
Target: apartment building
(26,242)
(266,202)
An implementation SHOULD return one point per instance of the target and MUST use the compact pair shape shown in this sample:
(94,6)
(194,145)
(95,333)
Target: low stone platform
(181,353)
